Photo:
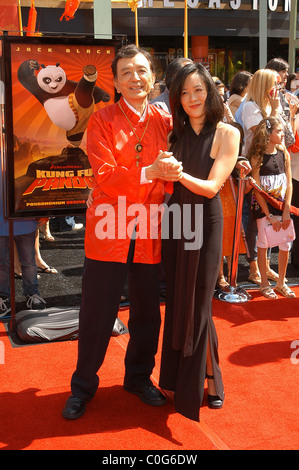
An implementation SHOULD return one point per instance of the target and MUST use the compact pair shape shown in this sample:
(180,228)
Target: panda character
(69,104)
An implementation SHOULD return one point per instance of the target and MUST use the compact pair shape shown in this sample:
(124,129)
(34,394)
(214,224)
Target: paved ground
(66,254)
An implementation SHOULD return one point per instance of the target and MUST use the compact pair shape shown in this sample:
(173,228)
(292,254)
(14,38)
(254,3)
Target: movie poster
(55,87)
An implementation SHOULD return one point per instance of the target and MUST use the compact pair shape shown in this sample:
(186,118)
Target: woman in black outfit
(208,149)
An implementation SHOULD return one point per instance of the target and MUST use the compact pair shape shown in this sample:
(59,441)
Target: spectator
(238,89)
(24,237)
(291,83)
(271,170)
(156,91)
(228,116)
(258,104)
(162,101)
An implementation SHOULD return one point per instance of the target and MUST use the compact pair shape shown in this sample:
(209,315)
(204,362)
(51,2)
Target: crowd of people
(252,99)
(266,98)
(181,148)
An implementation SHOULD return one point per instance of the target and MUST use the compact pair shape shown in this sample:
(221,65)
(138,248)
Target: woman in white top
(262,100)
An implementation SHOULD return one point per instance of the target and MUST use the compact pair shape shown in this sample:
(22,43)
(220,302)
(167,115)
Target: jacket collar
(140,118)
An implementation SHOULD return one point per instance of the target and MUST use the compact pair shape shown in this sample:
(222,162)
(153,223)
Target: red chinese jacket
(120,201)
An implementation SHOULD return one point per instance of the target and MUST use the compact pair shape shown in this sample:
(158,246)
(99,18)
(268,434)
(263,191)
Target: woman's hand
(292,100)
(276,224)
(165,167)
(244,167)
(274,101)
(286,219)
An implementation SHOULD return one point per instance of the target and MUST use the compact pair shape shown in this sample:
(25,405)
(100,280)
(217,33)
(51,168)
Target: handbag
(289,138)
(281,237)
(288,135)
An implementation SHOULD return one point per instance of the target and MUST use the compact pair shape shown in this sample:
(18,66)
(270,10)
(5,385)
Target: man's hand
(165,167)
(89,200)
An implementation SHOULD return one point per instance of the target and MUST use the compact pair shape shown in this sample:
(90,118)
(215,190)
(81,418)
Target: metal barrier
(234,293)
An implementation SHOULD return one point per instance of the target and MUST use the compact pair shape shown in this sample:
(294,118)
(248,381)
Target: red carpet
(261,385)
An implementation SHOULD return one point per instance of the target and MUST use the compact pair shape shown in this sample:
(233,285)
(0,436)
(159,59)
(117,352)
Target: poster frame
(10,210)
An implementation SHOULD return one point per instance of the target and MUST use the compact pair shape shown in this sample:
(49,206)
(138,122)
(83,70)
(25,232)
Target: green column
(293,41)
(263,30)
(102,17)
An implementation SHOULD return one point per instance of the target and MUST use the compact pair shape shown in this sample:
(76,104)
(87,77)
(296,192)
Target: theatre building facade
(222,34)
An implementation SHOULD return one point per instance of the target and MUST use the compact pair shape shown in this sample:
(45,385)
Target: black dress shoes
(74,407)
(148,394)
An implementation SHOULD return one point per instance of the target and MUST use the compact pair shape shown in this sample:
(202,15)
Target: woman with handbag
(271,169)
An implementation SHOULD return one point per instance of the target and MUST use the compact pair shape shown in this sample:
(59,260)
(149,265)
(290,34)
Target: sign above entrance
(273,5)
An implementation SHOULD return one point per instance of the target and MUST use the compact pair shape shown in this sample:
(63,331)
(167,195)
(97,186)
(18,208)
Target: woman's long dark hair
(213,106)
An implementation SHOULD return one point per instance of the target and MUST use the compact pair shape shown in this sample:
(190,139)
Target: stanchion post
(235,294)
(237,232)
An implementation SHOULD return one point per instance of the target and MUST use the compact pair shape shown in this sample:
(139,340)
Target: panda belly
(60,113)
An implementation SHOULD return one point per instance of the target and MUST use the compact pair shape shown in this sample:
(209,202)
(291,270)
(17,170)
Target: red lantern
(70,9)
(31,20)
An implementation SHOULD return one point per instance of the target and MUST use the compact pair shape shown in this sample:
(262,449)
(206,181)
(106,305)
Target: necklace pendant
(137,158)
(138,147)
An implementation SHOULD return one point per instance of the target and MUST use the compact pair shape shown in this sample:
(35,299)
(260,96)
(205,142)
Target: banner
(52,89)
(9,16)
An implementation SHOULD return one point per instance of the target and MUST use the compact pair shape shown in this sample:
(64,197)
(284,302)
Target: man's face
(134,78)
(284,76)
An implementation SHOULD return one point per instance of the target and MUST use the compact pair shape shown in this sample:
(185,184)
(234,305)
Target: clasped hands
(165,167)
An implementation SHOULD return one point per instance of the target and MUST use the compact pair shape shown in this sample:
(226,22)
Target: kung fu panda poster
(54,87)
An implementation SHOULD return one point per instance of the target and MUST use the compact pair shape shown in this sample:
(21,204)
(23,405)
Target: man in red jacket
(126,143)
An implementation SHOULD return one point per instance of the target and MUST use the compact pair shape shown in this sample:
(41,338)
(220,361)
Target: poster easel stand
(12,278)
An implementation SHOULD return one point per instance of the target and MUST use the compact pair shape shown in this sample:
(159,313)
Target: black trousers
(102,286)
